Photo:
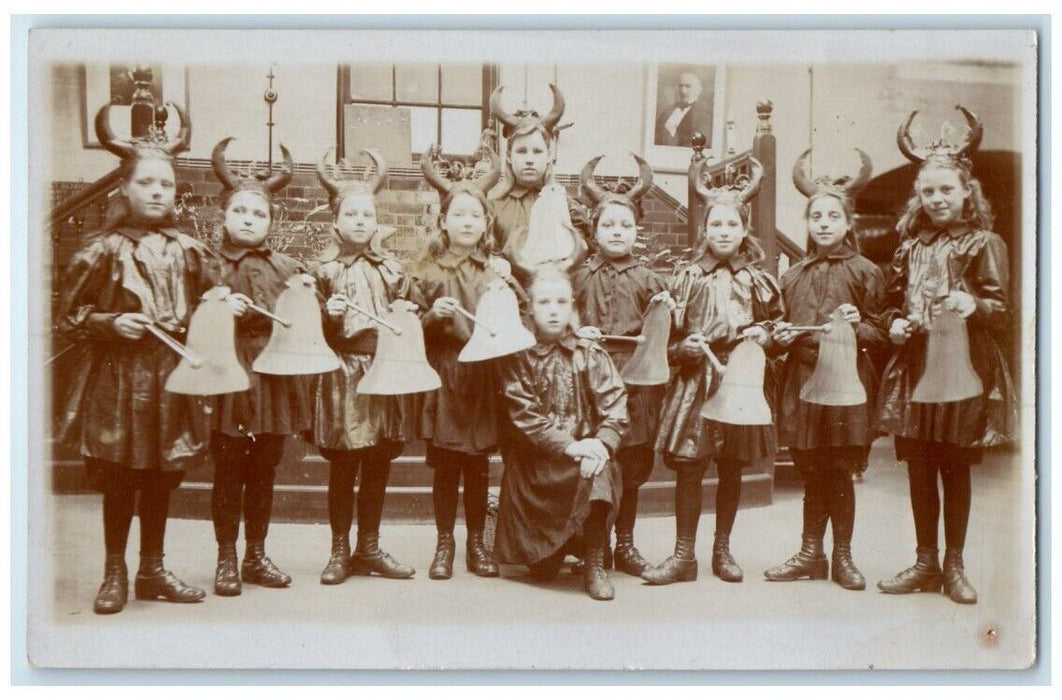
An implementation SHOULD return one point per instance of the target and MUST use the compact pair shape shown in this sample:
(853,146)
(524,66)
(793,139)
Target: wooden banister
(100,188)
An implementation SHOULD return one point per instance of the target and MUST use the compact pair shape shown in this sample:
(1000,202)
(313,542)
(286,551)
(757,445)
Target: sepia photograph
(512,350)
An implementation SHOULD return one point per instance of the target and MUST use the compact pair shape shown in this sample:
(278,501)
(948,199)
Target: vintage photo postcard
(532,350)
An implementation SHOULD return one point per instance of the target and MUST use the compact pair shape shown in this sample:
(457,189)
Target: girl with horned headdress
(723,298)
(948,260)
(357,432)
(828,443)
(249,427)
(613,290)
(141,274)
(460,420)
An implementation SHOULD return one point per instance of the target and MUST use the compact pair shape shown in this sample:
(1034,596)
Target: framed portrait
(113,82)
(683,99)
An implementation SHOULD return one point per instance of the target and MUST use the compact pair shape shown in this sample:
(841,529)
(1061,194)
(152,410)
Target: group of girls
(576,443)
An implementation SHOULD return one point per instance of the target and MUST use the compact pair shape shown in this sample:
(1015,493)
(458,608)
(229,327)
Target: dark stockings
(445,486)
(154,508)
(839,498)
(815,506)
(728,496)
(244,471)
(925,502)
(118,507)
(688,500)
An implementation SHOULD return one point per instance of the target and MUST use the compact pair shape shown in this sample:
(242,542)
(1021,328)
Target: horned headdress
(339,187)
(599,195)
(942,150)
(841,187)
(265,181)
(450,177)
(525,120)
(737,190)
(154,144)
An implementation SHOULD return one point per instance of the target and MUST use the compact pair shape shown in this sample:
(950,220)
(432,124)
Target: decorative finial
(763,111)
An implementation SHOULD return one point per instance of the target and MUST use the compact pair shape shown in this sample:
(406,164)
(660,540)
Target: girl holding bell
(247,443)
(357,433)
(140,277)
(948,260)
(613,291)
(828,443)
(723,298)
(459,421)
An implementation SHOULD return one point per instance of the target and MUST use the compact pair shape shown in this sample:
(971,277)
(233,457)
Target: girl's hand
(131,326)
(691,345)
(758,334)
(589,333)
(850,313)
(336,305)
(961,303)
(782,335)
(664,298)
(410,306)
(900,331)
(589,467)
(445,307)
(238,303)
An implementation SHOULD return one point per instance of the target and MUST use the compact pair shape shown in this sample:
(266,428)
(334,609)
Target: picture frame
(663,142)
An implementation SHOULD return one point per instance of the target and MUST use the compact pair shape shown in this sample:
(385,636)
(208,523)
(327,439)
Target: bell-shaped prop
(648,365)
(550,239)
(739,399)
(211,340)
(835,381)
(401,364)
(498,331)
(949,375)
(297,344)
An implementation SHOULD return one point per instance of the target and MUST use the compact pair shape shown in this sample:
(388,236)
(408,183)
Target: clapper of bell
(498,331)
(211,338)
(835,381)
(299,347)
(949,374)
(401,364)
(739,399)
(648,365)
(550,238)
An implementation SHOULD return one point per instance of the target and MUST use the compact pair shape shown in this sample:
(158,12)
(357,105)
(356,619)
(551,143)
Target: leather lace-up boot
(114,591)
(259,569)
(843,570)
(227,575)
(679,567)
(723,564)
(478,559)
(442,566)
(956,586)
(338,566)
(595,578)
(810,562)
(925,575)
(369,559)
(154,582)
(627,557)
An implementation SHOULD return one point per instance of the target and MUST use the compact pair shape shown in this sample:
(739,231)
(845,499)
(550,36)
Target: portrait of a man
(684,104)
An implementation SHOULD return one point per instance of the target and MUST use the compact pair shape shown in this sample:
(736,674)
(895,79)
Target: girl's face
(465,221)
(529,157)
(356,220)
(247,219)
(724,230)
(151,189)
(551,308)
(827,223)
(943,194)
(616,231)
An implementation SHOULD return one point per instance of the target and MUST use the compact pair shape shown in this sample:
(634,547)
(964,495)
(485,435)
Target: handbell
(739,399)
(299,347)
(401,363)
(648,364)
(949,374)
(212,339)
(549,239)
(835,381)
(498,331)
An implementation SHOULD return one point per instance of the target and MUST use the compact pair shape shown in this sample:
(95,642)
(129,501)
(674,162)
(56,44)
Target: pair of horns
(443,184)
(744,195)
(232,181)
(512,120)
(918,155)
(597,192)
(124,148)
(807,186)
(329,175)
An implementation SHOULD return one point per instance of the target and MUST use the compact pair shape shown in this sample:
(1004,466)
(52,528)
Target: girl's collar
(236,253)
(737,262)
(450,259)
(927,236)
(567,341)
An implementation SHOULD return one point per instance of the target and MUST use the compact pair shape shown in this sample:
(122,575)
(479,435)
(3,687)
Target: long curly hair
(976,210)
(750,247)
(440,243)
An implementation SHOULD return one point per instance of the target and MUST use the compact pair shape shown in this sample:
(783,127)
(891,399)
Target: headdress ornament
(451,176)
(599,194)
(844,186)
(943,150)
(524,120)
(737,190)
(338,186)
(265,181)
(155,143)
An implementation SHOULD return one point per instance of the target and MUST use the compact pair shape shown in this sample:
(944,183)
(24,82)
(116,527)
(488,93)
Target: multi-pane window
(448,103)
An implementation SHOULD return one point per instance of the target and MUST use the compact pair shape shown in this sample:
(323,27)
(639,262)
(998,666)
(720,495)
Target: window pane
(462,84)
(460,130)
(418,82)
(423,126)
(370,81)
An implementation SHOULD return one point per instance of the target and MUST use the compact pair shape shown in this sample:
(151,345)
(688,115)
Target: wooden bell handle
(365,312)
(193,360)
(625,338)
(824,328)
(716,364)
(269,314)
(472,317)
